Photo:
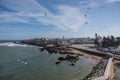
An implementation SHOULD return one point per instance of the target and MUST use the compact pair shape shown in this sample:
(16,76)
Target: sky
(25,19)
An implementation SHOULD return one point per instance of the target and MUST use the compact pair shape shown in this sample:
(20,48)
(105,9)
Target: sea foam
(11,44)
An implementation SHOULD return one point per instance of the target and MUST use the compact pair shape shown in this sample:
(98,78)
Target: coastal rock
(57,62)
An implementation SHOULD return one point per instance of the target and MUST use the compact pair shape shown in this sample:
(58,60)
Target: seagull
(45,14)
(86,22)
(85,15)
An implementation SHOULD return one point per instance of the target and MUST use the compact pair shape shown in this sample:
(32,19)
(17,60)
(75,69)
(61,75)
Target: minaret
(96,35)
(63,37)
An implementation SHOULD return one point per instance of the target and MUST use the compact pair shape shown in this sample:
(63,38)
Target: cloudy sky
(23,19)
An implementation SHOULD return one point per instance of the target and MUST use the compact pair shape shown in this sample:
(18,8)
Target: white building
(63,43)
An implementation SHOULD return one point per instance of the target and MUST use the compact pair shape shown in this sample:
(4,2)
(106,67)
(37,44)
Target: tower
(96,35)
(63,37)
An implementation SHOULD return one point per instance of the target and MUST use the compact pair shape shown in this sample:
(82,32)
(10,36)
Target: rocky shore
(97,70)
(59,49)
(116,69)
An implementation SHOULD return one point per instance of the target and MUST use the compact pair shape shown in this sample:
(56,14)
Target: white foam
(24,62)
(18,60)
(11,44)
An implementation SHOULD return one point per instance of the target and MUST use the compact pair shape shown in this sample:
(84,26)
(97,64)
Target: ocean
(25,62)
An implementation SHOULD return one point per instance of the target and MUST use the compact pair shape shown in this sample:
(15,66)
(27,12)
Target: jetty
(85,48)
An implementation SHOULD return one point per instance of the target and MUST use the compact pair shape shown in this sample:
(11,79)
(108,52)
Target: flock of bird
(88,8)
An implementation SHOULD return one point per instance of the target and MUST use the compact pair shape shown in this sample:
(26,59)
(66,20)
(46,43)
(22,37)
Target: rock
(72,64)
(61,58)
(57,62)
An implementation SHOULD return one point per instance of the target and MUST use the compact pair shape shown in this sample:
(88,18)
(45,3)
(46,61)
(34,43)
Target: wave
(11,44)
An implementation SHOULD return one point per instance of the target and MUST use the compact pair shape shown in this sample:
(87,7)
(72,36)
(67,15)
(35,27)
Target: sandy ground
(74,51)
(87,47)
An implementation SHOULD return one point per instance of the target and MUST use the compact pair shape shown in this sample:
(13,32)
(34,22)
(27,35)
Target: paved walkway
(107,71)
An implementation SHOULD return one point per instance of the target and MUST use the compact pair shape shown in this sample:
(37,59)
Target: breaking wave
(11,44)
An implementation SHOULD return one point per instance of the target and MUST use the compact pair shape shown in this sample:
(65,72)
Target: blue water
(27,63)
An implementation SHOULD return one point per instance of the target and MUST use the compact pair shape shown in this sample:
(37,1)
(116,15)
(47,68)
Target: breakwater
(92,52)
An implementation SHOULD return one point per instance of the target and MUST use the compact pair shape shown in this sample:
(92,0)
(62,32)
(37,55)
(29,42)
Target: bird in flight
(45,14)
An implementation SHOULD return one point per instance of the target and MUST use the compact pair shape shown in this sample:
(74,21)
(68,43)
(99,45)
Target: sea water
(25,62)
